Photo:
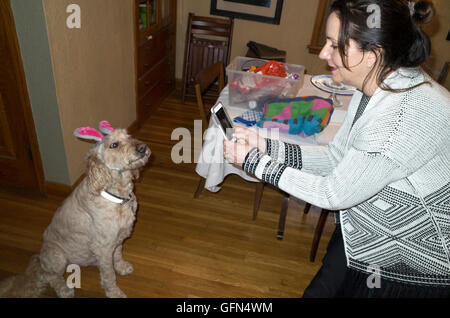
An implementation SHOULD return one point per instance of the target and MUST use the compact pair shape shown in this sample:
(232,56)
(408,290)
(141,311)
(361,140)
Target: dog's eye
(114,145)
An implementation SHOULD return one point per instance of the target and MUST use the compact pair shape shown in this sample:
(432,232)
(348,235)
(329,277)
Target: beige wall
(294,34)
(93,69)
(440,48)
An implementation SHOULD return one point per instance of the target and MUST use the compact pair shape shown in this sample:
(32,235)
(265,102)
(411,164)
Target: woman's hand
(251,137)
(235,152)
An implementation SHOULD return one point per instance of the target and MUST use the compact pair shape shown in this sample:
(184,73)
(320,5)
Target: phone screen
(224,121)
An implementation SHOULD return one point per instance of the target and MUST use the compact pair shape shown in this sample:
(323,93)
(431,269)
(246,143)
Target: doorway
(20,162)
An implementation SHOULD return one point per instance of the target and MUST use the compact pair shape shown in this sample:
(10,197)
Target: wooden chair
(282,221)
(203,80)
(200,51)
(318,231)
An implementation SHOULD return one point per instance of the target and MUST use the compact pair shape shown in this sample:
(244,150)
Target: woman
(387,171)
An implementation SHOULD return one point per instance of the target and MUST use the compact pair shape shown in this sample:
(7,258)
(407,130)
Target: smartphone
(223,120)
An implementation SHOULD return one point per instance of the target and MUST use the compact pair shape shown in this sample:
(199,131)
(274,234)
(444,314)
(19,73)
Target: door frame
(17,66)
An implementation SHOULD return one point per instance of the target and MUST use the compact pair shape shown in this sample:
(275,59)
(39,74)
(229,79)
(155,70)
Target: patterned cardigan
(388,172)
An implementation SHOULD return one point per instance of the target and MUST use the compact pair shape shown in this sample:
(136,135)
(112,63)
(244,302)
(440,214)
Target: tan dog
(92,223)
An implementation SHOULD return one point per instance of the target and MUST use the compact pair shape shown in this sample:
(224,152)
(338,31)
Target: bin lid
(252,62)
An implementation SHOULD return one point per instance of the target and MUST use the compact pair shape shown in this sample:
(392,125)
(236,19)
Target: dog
(92,223)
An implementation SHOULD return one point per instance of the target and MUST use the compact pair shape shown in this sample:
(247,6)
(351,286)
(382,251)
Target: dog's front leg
(121,266)
(108,276)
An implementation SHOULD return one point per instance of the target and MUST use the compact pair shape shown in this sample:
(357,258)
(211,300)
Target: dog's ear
(98,175)
(105,127)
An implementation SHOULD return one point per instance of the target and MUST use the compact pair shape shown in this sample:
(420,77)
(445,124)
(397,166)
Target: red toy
(272,68)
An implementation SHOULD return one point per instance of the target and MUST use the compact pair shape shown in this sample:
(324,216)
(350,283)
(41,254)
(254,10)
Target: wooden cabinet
(155,53)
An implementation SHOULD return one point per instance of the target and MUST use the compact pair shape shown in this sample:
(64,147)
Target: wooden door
(16,150)
(318,37)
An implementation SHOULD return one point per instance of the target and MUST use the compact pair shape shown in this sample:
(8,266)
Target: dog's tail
(31,284)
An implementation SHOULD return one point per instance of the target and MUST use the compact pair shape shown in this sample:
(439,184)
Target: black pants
(330,277)
(336,280)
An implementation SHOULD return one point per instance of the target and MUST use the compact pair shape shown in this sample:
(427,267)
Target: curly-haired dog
(92,223)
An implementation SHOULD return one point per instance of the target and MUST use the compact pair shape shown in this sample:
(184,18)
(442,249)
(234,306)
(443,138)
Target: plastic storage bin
(249,90)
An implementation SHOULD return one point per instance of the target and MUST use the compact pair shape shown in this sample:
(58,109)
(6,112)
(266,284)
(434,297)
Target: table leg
(282,221)
(258,196)
(201,185)
(307,207)
(318,233)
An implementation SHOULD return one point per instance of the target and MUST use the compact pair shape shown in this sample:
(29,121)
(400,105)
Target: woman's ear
(374,58)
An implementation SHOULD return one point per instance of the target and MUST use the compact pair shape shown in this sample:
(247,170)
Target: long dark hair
(398,34)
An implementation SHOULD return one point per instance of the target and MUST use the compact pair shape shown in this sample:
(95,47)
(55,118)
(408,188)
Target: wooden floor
(181,246)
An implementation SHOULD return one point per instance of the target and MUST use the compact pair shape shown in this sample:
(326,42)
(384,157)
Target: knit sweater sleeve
(356,178)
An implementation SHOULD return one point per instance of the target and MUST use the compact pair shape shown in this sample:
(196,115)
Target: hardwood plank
(181,246)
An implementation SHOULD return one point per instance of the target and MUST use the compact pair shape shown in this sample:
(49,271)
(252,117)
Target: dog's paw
(65,292)
(115,293)
(123,267)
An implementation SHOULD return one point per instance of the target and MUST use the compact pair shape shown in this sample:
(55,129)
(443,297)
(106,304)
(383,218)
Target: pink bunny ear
(88,133)
(105,127)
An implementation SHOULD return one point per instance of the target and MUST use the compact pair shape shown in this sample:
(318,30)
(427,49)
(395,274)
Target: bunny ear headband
(92,133)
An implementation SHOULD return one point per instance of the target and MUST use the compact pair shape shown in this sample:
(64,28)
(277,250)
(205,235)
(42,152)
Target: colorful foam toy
(92,133)
(303,116)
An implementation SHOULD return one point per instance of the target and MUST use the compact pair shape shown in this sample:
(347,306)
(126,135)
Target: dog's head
(119,151)
(115,155)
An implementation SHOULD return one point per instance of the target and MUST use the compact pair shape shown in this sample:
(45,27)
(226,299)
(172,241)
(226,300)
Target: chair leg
(201,185)
(318,233)
(258,196)
(283,213)
(307,207)
(186,62)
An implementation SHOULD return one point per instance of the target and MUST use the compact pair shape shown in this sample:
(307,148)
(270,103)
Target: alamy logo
(74,279)
(374,279)
(374,20)
(74,19)
(207,153)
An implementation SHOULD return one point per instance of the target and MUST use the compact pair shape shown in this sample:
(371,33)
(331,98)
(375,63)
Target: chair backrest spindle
(208,41)
(204,79)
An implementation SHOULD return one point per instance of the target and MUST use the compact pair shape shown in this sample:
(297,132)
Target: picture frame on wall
(266,11)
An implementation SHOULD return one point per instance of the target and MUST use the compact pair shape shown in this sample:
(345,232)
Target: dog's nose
(141,148)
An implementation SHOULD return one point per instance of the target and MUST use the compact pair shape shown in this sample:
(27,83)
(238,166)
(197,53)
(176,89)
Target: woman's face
(357,61)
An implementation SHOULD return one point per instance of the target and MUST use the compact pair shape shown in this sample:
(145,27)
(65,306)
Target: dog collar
(114,198)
